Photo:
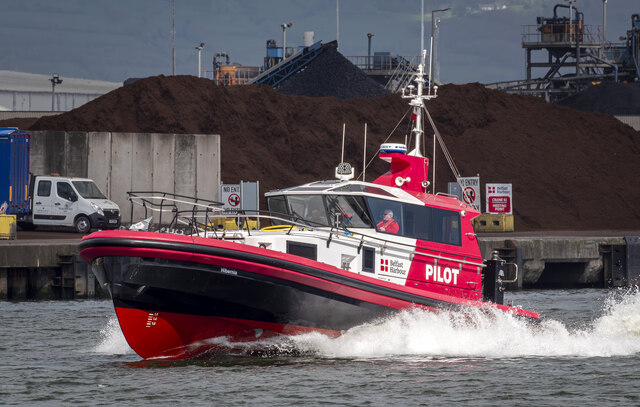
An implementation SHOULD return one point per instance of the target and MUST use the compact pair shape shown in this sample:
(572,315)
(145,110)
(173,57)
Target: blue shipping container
(14,170)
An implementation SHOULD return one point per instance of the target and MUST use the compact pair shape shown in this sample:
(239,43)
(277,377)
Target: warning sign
(471,191)
(234,200)
(469,195)
(230,196)
(500,198)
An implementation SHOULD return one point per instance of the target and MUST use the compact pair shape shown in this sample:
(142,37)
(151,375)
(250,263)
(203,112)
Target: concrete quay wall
(185,164)
(556,261)
(44,270)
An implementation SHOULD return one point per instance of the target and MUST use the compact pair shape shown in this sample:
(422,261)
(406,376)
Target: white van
(74,202)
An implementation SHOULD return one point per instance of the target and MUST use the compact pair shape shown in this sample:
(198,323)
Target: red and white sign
(499,198)
(234,200)
(230,196)
(471,191)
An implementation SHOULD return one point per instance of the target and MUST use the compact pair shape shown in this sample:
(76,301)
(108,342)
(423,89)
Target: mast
(417,101)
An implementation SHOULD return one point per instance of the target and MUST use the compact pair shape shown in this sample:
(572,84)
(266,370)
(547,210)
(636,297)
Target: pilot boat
(337,254)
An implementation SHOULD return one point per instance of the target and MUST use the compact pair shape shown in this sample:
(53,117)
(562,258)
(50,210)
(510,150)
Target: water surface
(586,352)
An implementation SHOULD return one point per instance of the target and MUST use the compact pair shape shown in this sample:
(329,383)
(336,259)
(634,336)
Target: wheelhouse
(359,205)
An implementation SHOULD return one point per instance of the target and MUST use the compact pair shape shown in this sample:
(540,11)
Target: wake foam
(479,334)
(112,340)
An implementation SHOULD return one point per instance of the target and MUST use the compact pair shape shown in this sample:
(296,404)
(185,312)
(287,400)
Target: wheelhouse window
(417,222)
(277,207)
(387,215)
(348,211)
(446,227)
(363,188)
(308,208)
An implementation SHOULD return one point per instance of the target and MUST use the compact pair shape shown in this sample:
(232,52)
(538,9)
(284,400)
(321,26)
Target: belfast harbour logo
(392,266)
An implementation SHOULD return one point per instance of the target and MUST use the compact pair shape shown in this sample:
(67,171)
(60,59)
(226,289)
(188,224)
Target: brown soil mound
(570,170)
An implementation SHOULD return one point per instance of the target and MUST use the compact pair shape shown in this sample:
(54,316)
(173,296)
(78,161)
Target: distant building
(25,92)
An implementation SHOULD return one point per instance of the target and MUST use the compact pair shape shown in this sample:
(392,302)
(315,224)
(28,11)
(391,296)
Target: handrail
(148,200)
(209,212)
(515,278)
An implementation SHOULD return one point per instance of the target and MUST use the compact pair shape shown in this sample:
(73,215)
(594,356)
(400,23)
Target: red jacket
(391,226)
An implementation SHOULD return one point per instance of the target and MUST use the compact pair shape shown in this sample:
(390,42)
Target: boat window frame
(351,210)
(321,216)
(444,226)
(368,255)
(273,212)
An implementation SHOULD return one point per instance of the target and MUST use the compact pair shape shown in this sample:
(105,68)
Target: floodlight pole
(173,37)
(199,48)
(284,39)
(369,35)
(55,80)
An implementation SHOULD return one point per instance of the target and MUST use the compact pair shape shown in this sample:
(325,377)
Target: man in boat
(388,224)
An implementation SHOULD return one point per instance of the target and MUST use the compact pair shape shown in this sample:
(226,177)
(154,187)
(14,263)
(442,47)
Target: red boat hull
(178,297)
(182,336)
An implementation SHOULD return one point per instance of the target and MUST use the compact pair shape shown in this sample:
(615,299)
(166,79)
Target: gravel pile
(331,74)
(612,98)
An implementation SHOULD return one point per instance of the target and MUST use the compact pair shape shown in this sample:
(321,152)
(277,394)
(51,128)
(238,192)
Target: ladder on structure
(403,75)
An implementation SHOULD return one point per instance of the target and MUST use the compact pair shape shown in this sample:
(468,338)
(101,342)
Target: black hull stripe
(181,287)
(269,261)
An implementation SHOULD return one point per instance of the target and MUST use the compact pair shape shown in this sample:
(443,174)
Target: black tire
(26,226)
(82,224)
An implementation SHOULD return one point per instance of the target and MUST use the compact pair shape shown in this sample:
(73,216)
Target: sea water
(585,352)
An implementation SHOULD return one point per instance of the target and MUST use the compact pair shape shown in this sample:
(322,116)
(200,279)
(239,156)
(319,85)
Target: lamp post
(55,80)
(433,29)
(604,23)
(199,48)
(284,39)
(369,35)
(173,37)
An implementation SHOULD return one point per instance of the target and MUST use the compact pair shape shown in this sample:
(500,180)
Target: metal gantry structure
(289,66)
(394,73)
(575,56)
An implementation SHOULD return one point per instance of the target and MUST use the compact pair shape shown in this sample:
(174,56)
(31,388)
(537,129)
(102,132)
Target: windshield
(320,210)
(348,211)
(309,209)
(88,190)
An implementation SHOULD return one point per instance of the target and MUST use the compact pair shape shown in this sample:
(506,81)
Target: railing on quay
(383,62)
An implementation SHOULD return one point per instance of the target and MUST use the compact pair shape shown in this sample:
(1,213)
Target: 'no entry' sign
(230,196)
(471,191)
